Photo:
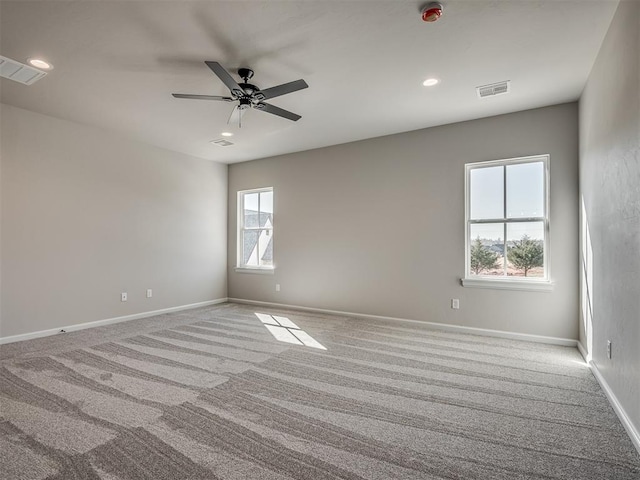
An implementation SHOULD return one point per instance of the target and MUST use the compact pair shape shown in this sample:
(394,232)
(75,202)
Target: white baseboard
(567,342)
(633,432)
(107,321)
(583,352)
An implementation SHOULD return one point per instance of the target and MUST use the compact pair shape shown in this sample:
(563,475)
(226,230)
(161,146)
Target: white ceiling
(117,63)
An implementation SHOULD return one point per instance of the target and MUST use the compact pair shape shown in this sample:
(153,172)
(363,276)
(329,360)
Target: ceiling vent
(494,89)
(19,72)
(221,142)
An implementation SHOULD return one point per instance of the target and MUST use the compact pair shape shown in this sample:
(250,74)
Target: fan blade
(202,97)
(283,89)
(267,107)
(226,78)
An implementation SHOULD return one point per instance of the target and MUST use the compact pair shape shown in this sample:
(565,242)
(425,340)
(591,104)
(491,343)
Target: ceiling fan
(248,95)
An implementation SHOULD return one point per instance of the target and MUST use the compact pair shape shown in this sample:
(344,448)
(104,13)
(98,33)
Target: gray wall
(87,214)
(610,188)
(377,226)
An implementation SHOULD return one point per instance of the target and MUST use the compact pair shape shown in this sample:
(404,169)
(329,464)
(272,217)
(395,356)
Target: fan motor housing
(248,88)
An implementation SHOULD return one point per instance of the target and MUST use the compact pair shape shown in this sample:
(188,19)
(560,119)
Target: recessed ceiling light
(227,134)
(39,63)
(430,82)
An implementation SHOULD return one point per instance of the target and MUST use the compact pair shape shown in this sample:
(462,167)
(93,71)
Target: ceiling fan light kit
(248,95)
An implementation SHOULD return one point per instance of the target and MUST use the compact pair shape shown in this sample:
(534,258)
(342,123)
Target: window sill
(508,284)
(259,271)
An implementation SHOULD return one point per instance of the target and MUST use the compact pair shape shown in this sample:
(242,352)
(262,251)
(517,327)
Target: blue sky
(525,198)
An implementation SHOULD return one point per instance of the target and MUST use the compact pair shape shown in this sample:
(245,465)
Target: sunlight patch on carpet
(284,330)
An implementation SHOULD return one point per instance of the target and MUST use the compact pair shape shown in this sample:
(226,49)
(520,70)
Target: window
(507,223)
(255,230)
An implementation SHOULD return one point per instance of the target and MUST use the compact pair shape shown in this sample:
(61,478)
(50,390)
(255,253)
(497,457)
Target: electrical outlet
(149,293)
(455,303)
(609,349)
(123,297)
(277,287)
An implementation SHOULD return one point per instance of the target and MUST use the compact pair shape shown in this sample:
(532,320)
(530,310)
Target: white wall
(610,188)
(87,214)
(377,226)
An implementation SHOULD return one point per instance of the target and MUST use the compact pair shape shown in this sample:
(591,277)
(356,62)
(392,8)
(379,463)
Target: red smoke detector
(432,12)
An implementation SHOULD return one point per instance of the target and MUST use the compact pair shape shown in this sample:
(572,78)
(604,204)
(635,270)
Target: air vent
(19,72)
(221,142)
(494,89)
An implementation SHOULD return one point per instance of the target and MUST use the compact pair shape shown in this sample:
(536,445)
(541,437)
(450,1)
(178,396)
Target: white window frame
(505,282)
(241,267)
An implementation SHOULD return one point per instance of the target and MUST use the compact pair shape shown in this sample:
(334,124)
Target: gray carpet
(211,394)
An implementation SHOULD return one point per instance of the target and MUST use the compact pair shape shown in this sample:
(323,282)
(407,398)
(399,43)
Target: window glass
(266,202)
(250,248)
(251,210)
(525,249)
(487,192)
(266,248)
(486,249)
(525,190)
